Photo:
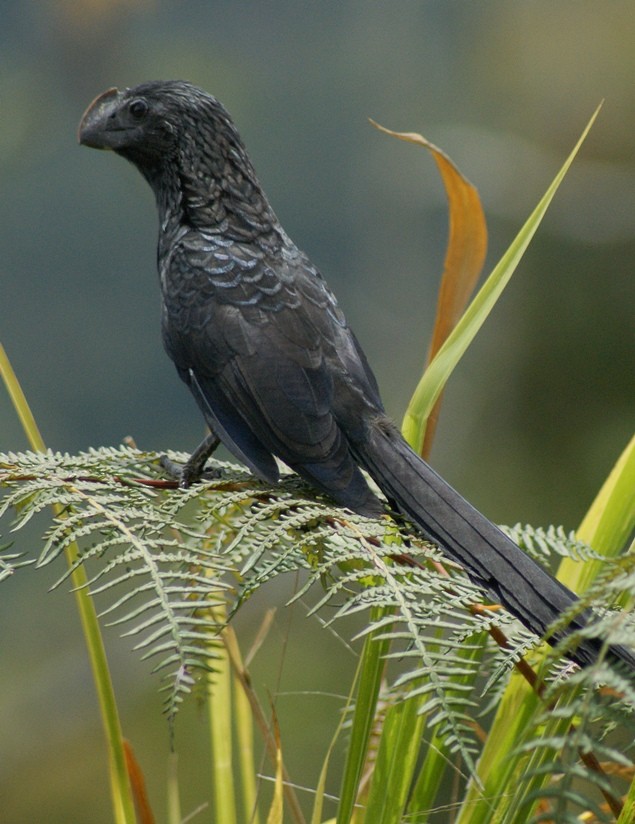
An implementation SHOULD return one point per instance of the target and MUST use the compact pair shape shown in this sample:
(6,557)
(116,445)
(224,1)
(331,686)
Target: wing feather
(262,357)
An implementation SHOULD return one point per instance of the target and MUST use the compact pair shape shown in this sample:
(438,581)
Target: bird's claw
(186,474)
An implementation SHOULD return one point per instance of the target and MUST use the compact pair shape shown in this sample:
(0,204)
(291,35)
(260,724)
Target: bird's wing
(266,353)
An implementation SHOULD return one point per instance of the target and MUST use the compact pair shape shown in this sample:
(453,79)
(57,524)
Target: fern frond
(162,561)
(579,755)
(11,562)
(128,539)
(543,543)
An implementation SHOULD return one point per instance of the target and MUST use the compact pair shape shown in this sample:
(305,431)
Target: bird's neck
(221,196)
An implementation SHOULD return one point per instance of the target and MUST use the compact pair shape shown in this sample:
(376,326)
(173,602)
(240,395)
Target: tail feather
(488,556)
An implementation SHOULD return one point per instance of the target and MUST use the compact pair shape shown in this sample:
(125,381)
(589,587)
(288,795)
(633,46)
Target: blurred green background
(533,419)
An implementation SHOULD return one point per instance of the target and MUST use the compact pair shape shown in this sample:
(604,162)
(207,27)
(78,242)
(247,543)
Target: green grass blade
(320,790)
(271,741)
(219,707)
(628,811)
(276,811)
(20,404)
(246,752)
(608,524)
(437,760)
(500,769)
(396,762)
(436,375)
(123,805)
(370,674)
(318,804)
(499,766)
(173,796)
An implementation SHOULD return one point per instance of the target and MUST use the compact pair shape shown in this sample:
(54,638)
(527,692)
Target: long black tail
(488,556)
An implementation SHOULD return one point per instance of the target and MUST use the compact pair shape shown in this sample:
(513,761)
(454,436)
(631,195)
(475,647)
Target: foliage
(168,559)
(168,563)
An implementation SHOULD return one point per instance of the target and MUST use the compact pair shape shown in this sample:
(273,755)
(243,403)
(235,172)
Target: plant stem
(123,805)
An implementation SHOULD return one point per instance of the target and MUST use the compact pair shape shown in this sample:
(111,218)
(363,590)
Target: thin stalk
(370,672)
(243,678)
(219,707)
(246,757)
(123,804)
(173,803)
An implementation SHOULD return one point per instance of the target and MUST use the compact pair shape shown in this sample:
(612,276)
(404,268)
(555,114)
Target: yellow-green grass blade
(370,673)
(396,762)
(436,375)
(123,805)
(219,707)
(437,761)
(608,524)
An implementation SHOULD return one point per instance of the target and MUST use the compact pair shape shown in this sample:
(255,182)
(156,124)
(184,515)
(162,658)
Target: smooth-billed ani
(259,339)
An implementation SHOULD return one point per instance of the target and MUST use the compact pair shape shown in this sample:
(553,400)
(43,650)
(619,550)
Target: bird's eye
(138,109)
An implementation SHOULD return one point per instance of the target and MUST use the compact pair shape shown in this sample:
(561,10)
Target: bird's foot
(188,473)
(172,468)
(193,469)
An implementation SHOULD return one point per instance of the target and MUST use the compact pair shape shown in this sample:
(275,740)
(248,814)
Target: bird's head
(184,143)
(150,123)
(133,121)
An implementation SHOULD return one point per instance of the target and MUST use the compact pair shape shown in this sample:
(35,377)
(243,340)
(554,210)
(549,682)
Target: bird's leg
(192,470)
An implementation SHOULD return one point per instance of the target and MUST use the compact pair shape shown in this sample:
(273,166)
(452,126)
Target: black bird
(259,339)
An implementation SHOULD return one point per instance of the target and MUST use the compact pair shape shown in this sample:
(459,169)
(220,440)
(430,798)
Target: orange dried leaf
(464,257)
(138,785)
